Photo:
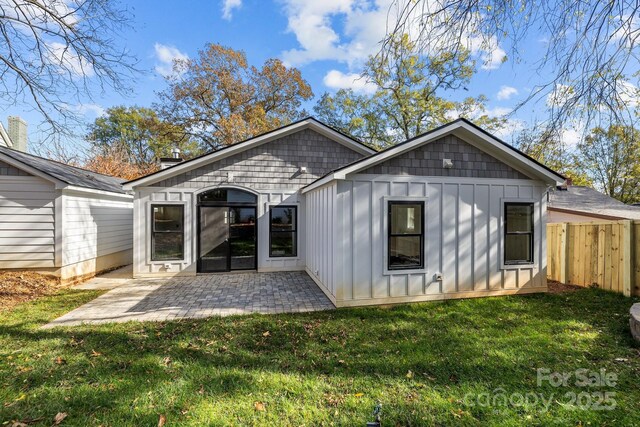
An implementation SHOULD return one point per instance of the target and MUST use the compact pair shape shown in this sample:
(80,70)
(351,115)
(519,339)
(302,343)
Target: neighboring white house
(452,213)
(60,219)
(576,203)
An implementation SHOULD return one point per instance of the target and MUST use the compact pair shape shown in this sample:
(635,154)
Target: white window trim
(267,214)
(149,229)
(385,234)
(501,239)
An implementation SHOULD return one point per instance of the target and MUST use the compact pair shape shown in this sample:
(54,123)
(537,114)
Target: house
(575,203)
(58,219)
(452,213)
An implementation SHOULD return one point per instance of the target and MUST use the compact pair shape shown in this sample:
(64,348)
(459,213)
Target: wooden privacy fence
(606,254)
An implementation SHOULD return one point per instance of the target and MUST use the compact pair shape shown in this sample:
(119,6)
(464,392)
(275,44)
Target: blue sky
(328,40)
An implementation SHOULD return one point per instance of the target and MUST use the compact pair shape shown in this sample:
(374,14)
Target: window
(406,235)
(518,233)
(283,231)
(167,232)
(227,196)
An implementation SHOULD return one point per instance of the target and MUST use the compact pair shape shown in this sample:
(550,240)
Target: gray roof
(68,174)
(586,200)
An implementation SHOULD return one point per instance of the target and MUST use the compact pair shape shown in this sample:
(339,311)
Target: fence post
(563,264)
(627,257)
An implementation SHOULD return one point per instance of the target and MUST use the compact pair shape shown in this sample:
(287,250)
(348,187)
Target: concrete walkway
(195,297)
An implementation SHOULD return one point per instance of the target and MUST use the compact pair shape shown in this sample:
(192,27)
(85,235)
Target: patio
(196,297)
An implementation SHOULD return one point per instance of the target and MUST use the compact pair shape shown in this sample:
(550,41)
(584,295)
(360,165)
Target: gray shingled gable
(426,160)
(67,174)
(272,165)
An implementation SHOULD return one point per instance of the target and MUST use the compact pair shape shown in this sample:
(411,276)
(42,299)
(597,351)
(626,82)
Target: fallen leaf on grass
(259,406)
(162,421)
(19,398)
(359,394)
(60,361)
(621,359)
(19,424)
(60,416)
(95,353)
(266,334)
(409,374)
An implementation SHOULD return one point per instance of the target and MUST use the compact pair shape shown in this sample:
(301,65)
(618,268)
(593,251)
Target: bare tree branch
(58,53)
(591,47)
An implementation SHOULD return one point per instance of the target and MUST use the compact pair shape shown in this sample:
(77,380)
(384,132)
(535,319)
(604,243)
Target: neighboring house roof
(468,132)
(60,172)
(307,123)
(587,201)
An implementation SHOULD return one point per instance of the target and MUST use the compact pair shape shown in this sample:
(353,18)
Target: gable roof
(61,173)
(585,200)
(306,123)
(467,131)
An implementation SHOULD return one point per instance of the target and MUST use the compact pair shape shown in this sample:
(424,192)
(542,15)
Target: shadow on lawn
(486,343)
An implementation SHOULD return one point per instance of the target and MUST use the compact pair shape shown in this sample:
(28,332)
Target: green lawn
(428,364)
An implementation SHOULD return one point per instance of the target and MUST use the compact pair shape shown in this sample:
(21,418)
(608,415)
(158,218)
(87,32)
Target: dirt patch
(21,286)
(560,288)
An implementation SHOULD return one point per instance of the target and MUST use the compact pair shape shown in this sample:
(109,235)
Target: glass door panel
(242,238)
(214,239)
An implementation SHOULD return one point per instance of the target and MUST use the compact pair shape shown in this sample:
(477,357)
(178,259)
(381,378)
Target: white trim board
(239,147)
(465,131)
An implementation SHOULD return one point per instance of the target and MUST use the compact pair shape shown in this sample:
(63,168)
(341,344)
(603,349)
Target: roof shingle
(68,174)
(587,200)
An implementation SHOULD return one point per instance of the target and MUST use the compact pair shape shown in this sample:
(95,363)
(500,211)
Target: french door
(226,238)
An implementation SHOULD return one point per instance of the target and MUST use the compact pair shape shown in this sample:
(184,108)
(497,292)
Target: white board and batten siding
(145,197)
(27,221)
(463,238)
(321,239)
(95,226)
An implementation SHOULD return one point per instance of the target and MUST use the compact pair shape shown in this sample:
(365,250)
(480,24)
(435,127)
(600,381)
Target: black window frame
(154,231)
(294,231)
(518,233)
(390,203)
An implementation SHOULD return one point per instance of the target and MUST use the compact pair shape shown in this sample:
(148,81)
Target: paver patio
(197,297)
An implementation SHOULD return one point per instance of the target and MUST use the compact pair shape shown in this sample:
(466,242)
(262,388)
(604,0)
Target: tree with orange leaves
(220,99)
(114,162)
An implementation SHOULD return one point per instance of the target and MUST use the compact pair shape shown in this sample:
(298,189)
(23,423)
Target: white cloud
(628,28)
(166,55)
(491,60)
(571,137)
(559,95)
(498,111)
(228,6)
(90,109)
(335,79)
(350,30)
(506,92)
(310,21)
(573,132)
(490,53)
(510,129)
(629,94)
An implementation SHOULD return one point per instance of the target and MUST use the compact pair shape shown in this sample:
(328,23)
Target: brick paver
(201,296)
